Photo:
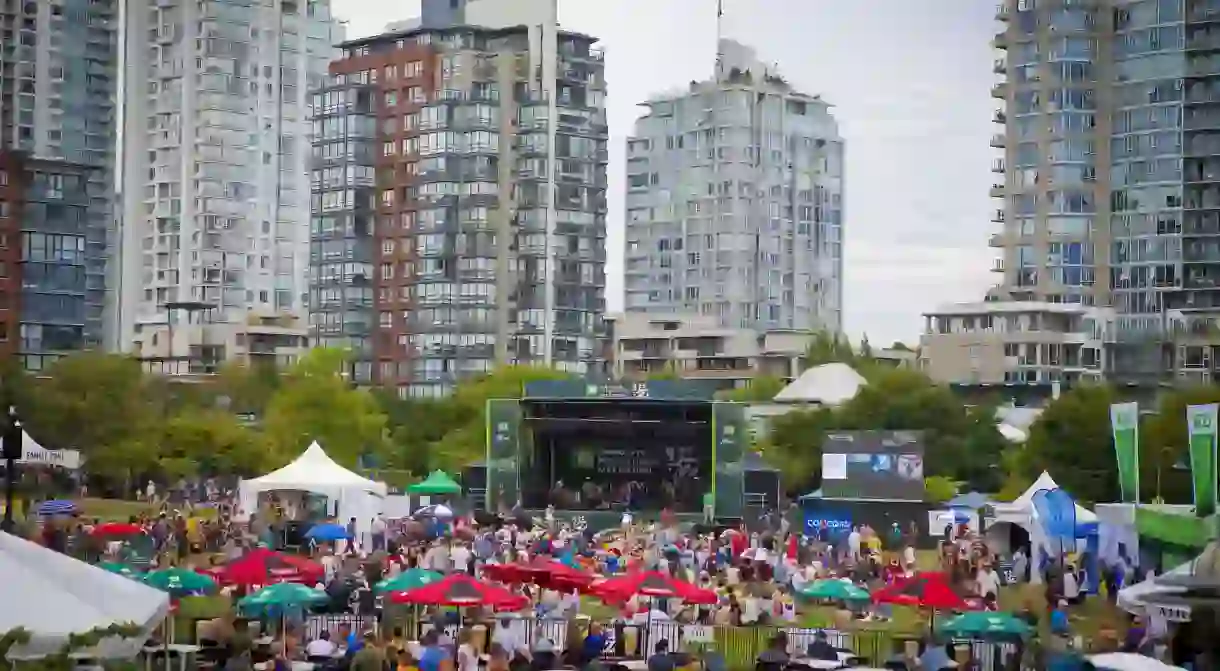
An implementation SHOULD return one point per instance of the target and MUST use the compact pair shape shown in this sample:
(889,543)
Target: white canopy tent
(1131,597)
(53,596)
(351,494)
(33,453)
(1022,514)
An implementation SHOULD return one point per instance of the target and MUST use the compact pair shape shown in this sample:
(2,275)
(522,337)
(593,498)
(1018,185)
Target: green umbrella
(179,581)
(839,590)
(283,595)
(125,570)
(409,579)
(985,626)
(437,482)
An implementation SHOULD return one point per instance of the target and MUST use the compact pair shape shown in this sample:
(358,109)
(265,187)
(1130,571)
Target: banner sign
(36,454)
(651,390)
(1124,426)
(1201,432)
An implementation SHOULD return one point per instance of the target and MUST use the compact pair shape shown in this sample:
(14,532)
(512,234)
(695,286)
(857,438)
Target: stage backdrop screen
(878,465)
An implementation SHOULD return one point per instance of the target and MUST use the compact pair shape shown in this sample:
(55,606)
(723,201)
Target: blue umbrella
(326,532)
(58,507)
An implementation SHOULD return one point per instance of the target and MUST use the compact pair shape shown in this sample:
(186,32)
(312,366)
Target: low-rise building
(1016,342)
(190,343)
(697,347)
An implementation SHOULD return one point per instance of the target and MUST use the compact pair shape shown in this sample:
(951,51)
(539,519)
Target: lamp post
(12,452)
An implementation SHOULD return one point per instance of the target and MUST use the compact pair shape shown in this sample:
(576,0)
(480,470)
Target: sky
(910,84)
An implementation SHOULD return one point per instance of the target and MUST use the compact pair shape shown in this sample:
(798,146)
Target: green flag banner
(1201,428)
(1125,426)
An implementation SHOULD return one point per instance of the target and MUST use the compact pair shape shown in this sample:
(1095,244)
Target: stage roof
(650,390)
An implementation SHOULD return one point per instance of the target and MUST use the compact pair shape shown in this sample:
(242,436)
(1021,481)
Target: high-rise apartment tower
(735,202)
(459,197)
(1109,187)
(58,79)
(215,159)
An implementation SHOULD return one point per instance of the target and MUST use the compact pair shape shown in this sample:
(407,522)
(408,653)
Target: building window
(413,69)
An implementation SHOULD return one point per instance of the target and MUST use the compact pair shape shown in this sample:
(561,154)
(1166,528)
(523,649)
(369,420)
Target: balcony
(997,266)
(997,191)
(998,166)
(1000,41)
(999,117)
(997,217)
(997,140)
(996,240)
(999,67)
(1001,11)
(999,90)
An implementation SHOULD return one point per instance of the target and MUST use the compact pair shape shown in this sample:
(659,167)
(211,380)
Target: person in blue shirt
(352,641)
(1059,620)
(432,656)
(594,644)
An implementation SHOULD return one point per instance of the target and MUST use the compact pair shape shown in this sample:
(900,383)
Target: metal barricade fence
(739,646)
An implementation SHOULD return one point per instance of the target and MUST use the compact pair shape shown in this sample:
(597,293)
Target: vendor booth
(348,494)
(1016,524)
(53,597)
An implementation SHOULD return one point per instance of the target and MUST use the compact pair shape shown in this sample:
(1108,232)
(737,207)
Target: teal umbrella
(179,581)
(407,580)
(283,595)
(125,570)
(837,590)
(985,626)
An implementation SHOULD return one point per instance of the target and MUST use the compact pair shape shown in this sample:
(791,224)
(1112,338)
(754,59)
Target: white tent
(830,384)
(315,472)
(53,596)
(33,453)
(1022,514)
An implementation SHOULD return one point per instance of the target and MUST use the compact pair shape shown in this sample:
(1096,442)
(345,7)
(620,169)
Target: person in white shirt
(460,555)
(321,646)
(749,610)
(853,542)
(509,638)
(987,582)
(1071,587)
(467,657)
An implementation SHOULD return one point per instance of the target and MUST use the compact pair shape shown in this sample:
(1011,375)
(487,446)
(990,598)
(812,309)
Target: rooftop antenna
(719,50)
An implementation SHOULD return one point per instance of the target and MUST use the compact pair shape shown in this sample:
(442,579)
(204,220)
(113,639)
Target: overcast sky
(910,82)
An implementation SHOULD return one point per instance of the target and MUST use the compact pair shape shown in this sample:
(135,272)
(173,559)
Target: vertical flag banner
(1201,429)
(1125,427)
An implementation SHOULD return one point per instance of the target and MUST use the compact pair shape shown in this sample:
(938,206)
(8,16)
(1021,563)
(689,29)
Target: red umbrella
(652,583)
(460,589)
(540,571)
(117,529)
(264,567)
(926,590)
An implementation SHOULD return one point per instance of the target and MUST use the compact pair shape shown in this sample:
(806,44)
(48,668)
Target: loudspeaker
(12,435)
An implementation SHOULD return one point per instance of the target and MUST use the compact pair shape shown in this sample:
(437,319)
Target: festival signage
(1124,425)
(503,452)
(36,454)
(1201,434)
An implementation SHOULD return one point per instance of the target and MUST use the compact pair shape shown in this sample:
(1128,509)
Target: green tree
(1071,440)
(906,400)
(101,405)
(415,425)
(467,443)
(317,402)
(213,442)
(793,444)
(939,489)
(760,389)
(1164,445)
(247,390)
(827,347)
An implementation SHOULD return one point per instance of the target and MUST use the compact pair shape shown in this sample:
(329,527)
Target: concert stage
(593,451)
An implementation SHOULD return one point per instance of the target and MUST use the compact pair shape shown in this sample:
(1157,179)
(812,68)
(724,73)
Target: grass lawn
(118,510)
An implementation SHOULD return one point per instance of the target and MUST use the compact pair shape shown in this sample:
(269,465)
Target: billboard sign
(878,465)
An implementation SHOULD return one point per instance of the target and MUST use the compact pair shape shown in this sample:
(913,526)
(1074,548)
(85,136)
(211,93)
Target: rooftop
(462,28)
(1009,307)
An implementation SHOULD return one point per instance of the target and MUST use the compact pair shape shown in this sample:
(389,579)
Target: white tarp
(1131,597)
(33,453)
(314,471)
(53,596)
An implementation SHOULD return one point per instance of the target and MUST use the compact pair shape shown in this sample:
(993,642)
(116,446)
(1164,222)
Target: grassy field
(115,510)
